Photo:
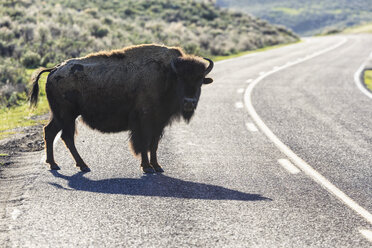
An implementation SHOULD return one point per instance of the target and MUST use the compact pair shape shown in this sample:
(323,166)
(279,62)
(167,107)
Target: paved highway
(278,155)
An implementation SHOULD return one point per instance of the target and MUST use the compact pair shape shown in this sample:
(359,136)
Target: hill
(37,33)
(306,17)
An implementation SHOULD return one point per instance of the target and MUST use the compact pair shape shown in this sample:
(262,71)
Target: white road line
(288,166)
(262,73)
(239,105)
(251,127)
(313,174)
(367,234)
(240,91)
(249,80)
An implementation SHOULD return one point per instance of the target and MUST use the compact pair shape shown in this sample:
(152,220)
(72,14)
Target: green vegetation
(364,28)
(307,17)
(368,79)
(36,33)
(288,11)
(21,115)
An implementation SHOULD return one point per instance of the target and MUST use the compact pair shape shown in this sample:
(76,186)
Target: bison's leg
(68,133)
(138,141)
(50,132)
(153,158)
(141,133)
(145,164)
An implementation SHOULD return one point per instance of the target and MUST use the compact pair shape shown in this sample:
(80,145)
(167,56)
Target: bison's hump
(138,54)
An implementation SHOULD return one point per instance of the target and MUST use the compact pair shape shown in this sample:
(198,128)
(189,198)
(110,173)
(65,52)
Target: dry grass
(365,28)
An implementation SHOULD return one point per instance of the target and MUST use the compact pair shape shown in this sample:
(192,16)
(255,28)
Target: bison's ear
(207,80)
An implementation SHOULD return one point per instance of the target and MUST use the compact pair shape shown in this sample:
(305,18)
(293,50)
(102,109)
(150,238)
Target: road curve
(226,184)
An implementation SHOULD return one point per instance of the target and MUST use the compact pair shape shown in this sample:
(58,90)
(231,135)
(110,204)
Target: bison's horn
(210,67)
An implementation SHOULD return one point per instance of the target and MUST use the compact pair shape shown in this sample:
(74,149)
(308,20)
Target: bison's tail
(34,93)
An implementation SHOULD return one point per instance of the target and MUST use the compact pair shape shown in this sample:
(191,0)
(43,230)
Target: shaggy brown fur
(139,88)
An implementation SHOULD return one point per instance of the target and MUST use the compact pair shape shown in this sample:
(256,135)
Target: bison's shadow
(155,185)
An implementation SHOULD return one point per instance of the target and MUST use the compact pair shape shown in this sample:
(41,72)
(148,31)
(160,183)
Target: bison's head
(191,75)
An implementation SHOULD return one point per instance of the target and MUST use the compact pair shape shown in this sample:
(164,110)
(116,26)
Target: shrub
(6,34)
(6,22)
(13,82)
(43,34)
(31,60)
(97,31)
(14,99)
(15,14)
(107,21)
(27,31)
(47,59)
(192,48)
(92,12)
(10,70)
(6,49)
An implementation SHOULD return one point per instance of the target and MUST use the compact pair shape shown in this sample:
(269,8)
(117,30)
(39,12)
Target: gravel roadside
(16,173)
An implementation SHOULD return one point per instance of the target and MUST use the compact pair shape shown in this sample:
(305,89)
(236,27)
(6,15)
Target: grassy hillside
(364,28)
(37,33)
(307,17)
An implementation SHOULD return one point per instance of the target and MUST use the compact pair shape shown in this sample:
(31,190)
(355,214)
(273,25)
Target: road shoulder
(17,174)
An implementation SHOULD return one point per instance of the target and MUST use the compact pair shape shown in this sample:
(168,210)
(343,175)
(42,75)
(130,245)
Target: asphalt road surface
(227,181)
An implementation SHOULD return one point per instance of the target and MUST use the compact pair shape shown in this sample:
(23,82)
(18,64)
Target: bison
(140,89)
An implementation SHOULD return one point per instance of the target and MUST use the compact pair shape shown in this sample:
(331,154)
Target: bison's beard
(187,115)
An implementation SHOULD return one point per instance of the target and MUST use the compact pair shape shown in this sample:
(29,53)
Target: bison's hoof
(54,166)
(158,168)
(84,168)
(147,170)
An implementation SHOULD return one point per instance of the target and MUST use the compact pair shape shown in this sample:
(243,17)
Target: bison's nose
(189,104)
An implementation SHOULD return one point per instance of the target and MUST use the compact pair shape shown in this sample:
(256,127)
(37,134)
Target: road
(224,183)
